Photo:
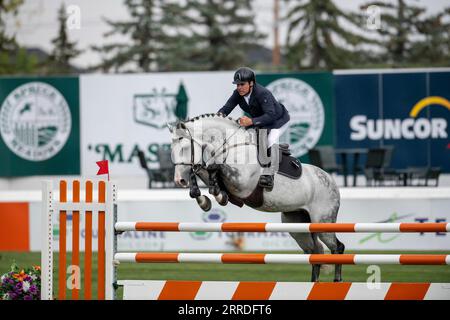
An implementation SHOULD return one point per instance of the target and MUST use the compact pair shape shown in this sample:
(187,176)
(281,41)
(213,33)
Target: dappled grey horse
(220,142)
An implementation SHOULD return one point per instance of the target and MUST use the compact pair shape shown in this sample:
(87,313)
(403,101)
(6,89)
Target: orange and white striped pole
(282,227)
(270,290)
(261,258)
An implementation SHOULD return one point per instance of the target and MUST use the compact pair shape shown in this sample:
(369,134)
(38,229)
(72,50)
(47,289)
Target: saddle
(289,167)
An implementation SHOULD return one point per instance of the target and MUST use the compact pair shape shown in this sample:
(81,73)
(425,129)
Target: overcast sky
(37,23)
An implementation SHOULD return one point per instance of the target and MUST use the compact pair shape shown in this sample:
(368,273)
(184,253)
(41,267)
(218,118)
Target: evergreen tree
(64,50)
(13,59)
(316,38)
(146,32)
(7,7)
(399,23)
(221,32)
(175,53)
(434,50)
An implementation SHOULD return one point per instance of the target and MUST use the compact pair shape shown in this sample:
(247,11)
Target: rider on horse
(265,111)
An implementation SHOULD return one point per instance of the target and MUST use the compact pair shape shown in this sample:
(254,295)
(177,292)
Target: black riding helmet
(243,75)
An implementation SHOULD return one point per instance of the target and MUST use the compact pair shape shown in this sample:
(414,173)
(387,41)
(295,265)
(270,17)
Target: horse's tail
(326,268)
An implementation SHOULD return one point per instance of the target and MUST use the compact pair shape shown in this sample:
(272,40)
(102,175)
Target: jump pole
(261,258)
(282,227)
(274,290)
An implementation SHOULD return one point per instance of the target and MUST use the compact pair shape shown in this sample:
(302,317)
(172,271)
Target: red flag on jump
(103,167)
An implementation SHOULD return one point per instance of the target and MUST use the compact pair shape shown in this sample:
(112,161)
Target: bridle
(204,164)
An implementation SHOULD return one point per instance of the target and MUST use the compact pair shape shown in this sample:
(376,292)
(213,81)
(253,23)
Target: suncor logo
(409,128)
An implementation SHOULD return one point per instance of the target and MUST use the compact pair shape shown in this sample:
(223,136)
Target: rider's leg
(273,139)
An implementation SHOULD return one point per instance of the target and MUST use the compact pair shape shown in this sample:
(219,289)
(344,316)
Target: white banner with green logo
(123,113)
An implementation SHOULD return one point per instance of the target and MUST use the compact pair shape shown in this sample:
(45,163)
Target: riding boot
(266,180)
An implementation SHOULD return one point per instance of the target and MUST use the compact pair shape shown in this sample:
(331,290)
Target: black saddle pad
(290,167)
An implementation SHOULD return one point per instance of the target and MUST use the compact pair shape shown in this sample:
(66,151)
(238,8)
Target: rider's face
(244,88)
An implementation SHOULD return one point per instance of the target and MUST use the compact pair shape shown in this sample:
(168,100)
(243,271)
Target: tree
(175,54)
(434,49)
(64,50)
(398,28)
(316,37)
(146,32)
(222,30)
(7,7)
(13,59)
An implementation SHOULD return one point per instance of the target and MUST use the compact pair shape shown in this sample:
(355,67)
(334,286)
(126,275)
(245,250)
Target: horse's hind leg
(336,247)
(308,242)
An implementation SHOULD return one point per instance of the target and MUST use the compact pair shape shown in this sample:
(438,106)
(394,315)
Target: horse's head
(195,141)
(181,152)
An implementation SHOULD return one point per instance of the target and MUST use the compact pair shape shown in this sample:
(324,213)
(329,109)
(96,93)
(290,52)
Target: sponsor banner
(186,210)
(39,126)
(309,99)
(122,114)
(408,110)
(395,211)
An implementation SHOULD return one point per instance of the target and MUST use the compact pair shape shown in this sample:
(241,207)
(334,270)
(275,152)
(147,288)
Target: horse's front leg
(194,192)
(214,188)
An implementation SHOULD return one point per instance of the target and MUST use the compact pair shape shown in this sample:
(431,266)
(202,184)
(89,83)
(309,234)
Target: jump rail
(271,290)
(282,227)
(260,258)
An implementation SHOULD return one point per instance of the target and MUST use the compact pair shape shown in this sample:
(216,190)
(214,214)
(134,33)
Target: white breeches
(275,134)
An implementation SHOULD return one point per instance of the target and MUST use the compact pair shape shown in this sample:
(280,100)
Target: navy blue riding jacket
(265,111)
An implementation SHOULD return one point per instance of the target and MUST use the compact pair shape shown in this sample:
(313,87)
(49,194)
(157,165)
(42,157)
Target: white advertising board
(372,205)
(121,113)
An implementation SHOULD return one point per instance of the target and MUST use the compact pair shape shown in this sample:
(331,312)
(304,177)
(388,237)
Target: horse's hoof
(204,203)
(222,198)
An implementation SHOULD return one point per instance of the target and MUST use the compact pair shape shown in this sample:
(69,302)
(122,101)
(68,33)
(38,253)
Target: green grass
(240,272)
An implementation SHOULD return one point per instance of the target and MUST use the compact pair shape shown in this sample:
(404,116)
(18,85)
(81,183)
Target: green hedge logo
(158,108)
(306,110)
(35,121)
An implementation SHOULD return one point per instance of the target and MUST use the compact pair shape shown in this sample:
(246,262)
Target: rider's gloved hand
(245,121)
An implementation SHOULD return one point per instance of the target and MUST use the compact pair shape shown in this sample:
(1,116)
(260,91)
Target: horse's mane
(213,115)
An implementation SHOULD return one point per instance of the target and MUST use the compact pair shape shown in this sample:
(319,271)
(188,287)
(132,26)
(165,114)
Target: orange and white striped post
(88,245)
(105,207)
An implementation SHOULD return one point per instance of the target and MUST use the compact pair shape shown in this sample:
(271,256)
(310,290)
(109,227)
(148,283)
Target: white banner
(120,113)
(176,206)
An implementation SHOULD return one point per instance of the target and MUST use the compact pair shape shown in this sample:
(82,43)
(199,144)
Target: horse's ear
(181,125)
(170,126)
